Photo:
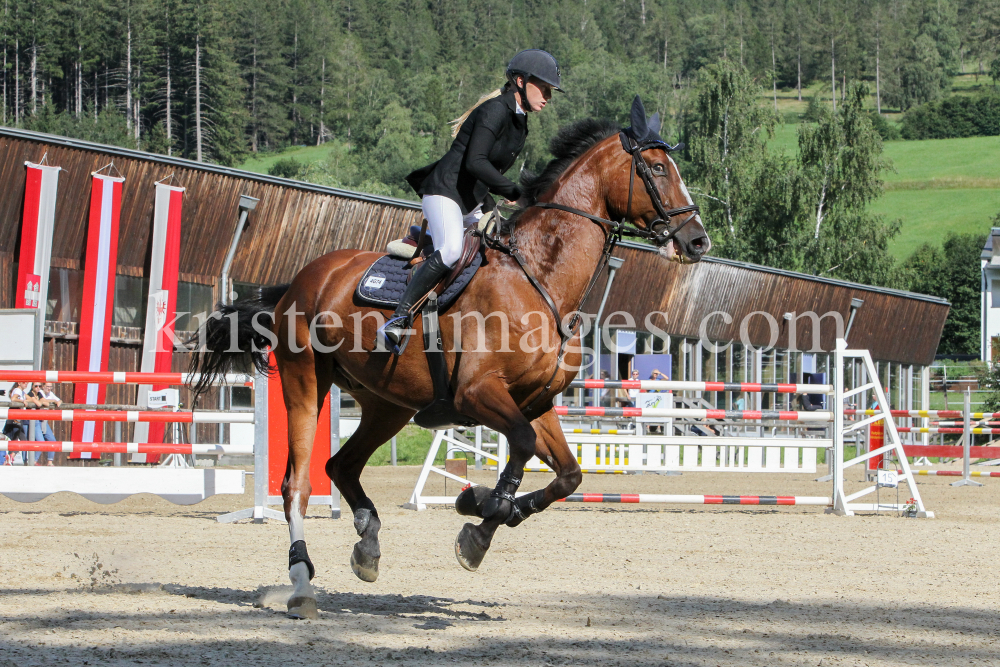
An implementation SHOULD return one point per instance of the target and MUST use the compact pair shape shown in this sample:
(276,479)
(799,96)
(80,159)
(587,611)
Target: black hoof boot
(471,547)
(470,501)
(366,554)
(525,506)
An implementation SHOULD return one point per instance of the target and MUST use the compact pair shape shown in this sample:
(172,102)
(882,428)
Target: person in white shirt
(633,394)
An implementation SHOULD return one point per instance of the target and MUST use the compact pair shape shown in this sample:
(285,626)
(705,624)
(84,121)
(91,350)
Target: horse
(320,335)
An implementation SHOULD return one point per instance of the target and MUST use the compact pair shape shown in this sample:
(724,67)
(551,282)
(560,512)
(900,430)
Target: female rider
(455,189)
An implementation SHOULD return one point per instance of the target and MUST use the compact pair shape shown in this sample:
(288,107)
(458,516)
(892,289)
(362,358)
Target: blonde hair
(456,125)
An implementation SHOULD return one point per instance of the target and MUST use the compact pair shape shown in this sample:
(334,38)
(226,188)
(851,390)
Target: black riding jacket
(489,142)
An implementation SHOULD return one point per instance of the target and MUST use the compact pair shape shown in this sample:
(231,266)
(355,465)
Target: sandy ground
(146,582)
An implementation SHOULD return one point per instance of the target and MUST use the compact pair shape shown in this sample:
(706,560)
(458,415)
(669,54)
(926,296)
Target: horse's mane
(570,143)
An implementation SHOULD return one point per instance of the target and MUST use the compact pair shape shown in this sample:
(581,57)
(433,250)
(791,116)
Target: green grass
(972,159)
(928,215)
(412,445)
(937,186)
(304,154)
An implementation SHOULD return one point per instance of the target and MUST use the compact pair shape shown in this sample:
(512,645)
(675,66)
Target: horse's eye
(658,168)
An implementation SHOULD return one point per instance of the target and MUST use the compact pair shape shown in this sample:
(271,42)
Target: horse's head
(647,191)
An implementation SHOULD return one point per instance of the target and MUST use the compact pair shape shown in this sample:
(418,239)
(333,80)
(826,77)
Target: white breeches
(446,225)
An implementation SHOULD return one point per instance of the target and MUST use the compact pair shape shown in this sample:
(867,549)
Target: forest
(377,81)
(215,80)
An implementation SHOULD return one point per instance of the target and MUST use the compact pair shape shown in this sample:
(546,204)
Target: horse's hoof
(364,566)
(470,500)
(468,549)
(302,607)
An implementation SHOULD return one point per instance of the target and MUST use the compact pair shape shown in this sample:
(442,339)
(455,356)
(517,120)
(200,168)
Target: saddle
(383,284)
(385,280)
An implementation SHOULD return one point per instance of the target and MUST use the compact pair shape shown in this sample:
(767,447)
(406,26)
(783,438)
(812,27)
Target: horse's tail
(234,337)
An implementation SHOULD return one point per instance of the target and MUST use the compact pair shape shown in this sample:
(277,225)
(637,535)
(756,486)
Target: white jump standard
(598,450)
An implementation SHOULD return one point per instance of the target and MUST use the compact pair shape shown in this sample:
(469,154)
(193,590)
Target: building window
(244,290)
(195,301)
(130,302)
(65,295)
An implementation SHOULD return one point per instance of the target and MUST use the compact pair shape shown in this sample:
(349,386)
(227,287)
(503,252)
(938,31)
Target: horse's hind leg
(304,392)
(380,420)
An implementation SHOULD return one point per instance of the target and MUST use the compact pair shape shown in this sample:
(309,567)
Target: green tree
(746,194)
(952,272)
(841,163)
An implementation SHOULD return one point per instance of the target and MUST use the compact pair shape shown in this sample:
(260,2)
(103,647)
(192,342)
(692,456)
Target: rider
(455,189)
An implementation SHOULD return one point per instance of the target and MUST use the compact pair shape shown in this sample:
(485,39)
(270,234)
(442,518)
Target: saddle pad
(385,281)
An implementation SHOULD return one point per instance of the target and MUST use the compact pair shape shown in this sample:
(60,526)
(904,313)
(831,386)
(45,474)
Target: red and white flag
(40,188)
(158,343)
(98,296)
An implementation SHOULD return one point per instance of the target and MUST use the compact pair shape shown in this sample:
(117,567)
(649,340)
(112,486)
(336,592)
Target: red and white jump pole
(129,416)
(124,448)
(696,500)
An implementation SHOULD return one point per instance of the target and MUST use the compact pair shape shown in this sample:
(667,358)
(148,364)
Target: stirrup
(404,341)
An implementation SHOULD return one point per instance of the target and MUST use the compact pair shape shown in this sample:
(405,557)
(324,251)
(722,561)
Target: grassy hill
(304,154)
(939,186)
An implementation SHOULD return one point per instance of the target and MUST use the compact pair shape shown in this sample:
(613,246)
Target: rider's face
(539,93)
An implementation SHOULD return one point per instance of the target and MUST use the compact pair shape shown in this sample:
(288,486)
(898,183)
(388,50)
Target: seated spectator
(20,395)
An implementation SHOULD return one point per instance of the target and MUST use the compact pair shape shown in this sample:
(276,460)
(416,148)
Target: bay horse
(562,236)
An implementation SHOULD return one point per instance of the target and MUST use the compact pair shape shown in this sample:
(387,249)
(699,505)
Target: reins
(613,233)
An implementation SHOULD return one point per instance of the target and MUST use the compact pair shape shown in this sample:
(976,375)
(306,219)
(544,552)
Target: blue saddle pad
(385,281)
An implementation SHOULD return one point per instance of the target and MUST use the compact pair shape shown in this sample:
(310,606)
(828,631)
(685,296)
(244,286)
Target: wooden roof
(293,224)
(894,325)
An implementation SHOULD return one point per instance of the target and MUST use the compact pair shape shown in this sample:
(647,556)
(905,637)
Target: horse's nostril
(700,245)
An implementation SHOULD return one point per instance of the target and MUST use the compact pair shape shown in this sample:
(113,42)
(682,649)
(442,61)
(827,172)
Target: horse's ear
(654,123)
(639,127)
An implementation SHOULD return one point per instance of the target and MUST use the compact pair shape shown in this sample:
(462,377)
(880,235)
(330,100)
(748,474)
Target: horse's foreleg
(380,420)
(550,447)
(492,406)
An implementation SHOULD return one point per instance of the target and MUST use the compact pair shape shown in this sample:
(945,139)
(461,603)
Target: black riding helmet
(534,63)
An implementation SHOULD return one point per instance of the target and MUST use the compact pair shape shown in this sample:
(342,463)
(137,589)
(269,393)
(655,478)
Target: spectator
(21,393)
(657,375)
(43,430)
(606,393)
(740,403)
(633,394)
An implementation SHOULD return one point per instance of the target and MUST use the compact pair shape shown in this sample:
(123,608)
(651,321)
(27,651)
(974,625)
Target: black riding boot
(424,278)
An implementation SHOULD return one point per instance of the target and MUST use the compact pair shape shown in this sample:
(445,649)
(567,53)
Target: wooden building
(296,222)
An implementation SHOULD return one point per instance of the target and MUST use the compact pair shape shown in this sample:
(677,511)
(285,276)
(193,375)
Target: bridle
(658,231)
